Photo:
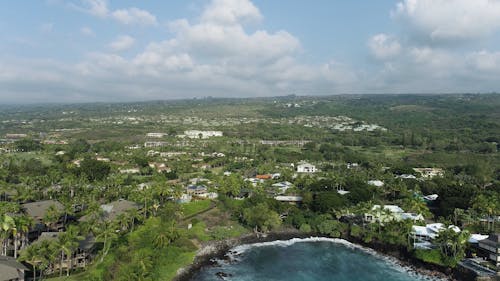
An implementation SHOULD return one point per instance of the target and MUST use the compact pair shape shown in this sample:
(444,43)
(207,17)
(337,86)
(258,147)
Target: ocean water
(311,259)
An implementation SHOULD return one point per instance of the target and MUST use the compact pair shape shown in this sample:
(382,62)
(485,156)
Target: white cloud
(98,8)
(384,46)
(122,43)
(231,12)
(440,21)
(485,61)
(218,54)
(129,16)
(87,31)
(134,16)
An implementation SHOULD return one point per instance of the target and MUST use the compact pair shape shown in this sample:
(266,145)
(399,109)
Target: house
(390,213)
(305,167)
(130,171)
(429,173)
(209,195)
(199,180)
(155,144)
(264,177)
(196,190)
(81,256)
(159,167)
(38,211)
(156,135)
(113,209)
(282,186)
(289,199)
(423,235)
(377,183)
(254,181)
(352,165)
(491,247)
(406,177)
(11,270)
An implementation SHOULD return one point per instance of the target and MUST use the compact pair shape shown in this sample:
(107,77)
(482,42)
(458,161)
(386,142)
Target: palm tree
(67,243)
(7,223)
(105,232)
(51,216)
(133,215)
(32,256)
(23,225)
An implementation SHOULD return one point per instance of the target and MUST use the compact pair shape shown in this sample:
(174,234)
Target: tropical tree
(32,256)
(7,225)
(67,243)
(105,232)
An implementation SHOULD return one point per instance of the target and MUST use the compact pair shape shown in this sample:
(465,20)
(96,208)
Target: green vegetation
(89,158)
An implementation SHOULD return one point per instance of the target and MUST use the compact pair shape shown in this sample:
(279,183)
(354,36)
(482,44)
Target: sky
(113,51)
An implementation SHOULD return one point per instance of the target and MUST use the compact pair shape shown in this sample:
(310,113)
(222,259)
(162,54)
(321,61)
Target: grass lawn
(194,207)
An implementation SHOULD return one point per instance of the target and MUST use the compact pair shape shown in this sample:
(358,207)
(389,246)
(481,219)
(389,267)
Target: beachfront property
(491,248)
(390,213)
(304,167)
(82,255)
(424,235)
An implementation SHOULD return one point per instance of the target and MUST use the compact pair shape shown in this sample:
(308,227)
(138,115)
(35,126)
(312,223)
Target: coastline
(218,250)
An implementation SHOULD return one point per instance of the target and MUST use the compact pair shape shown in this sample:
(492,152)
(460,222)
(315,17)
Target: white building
(306,168)
(423,235)
(130,171)
(429,173)
(390,213)
(283,186)
(154,144)
(289,199)
(196,134)
(377,183)
(156,135)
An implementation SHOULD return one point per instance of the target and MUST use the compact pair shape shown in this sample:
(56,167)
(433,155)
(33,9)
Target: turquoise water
(307,260)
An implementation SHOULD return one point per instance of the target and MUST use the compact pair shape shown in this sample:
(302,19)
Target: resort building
(491,247)
(11,269)
(80,257)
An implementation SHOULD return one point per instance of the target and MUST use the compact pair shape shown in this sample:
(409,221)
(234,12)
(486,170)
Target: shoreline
(219,249)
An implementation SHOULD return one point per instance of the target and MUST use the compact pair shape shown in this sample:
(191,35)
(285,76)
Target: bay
(312,259)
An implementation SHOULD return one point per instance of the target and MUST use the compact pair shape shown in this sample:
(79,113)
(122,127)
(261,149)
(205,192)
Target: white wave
(241,249)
